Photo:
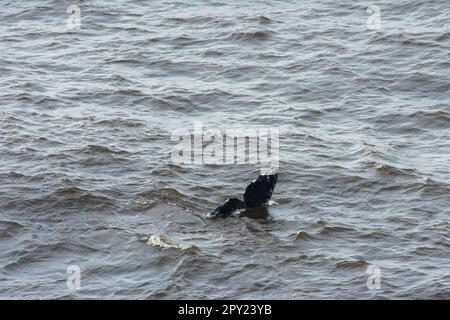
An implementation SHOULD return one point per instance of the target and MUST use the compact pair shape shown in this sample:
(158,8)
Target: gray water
(86,176)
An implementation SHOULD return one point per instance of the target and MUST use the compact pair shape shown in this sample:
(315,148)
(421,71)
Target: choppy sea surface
(86,177)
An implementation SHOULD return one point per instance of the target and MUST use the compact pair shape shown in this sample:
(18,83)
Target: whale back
(230,206)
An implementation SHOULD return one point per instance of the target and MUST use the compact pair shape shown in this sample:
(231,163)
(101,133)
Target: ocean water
(359,94)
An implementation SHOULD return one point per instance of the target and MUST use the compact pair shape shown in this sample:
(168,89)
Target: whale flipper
(256,195)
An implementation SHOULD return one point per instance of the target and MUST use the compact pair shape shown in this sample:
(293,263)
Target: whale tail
(257,195)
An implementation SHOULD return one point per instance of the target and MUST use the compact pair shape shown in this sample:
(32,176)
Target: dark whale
(257,195)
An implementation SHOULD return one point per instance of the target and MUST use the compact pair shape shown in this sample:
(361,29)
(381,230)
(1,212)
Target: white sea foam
(158,241)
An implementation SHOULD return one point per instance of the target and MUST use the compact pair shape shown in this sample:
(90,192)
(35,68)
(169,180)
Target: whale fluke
(259,192)
(257,195)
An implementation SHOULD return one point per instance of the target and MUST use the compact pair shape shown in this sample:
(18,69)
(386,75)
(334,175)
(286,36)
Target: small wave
(264,20)
(121,122)
(47,100)
(8,228)
(334,229)
(426,250)
(95,149)
(68,191)
(129,92)
(435,119)
(160,242)
(169,169)
(213,53)
(64,198)
(327,229)
(303,235)
(184,40)
(161,172)
(391,170)
(351,264)
(191,20)
(38,252)
(250,36)
(121,61)
(81,196)
(431,187)
(12,175)
(443,37)
(166,195)
(107,93)
(402,39)
(142,204)
(120,79)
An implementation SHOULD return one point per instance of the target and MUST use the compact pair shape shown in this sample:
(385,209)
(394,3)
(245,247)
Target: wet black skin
(257,195)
